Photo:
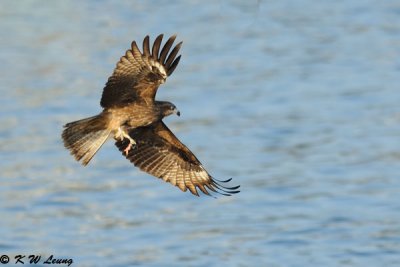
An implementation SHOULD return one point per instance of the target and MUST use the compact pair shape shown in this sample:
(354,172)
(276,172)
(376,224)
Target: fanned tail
(85,137)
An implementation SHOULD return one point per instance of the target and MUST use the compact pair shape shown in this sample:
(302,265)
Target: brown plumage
(159,153)
(128,99)
(134,118)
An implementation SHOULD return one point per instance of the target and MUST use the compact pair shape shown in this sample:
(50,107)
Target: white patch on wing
(159,67)
(202,176)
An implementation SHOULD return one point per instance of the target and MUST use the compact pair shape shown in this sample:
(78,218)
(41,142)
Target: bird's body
(134,118)
(134,115)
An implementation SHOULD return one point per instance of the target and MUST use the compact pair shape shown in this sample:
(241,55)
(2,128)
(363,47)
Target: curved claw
(128,148)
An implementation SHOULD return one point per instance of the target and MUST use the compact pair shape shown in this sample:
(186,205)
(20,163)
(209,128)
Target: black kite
(134,118)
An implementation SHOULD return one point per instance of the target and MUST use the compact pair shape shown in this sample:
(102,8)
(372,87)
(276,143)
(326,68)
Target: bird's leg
(131,143)
(121,134)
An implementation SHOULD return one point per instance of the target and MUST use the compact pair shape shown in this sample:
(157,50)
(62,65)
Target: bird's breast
(134,115)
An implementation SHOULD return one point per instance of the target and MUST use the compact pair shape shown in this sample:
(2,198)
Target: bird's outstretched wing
(159,153)
(138,74)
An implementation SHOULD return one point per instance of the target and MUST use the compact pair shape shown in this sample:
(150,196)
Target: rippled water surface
(298,101)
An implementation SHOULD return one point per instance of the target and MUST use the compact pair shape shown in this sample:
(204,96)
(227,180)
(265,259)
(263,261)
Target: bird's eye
(172,107)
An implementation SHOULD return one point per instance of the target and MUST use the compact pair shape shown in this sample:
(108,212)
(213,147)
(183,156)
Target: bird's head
(167,108)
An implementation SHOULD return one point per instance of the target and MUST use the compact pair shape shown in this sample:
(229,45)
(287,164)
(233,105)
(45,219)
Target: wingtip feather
(166,48)
(146,46)
(173,66)
(156,46)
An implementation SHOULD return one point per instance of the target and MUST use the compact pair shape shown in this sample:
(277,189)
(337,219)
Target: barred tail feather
(85,137)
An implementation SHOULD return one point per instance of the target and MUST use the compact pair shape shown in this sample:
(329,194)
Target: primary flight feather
(134,118)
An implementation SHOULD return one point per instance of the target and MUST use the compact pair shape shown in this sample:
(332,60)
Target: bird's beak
(177,112)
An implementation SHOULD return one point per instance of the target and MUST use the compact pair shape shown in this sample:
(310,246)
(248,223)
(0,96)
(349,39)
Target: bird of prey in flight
(133,117)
